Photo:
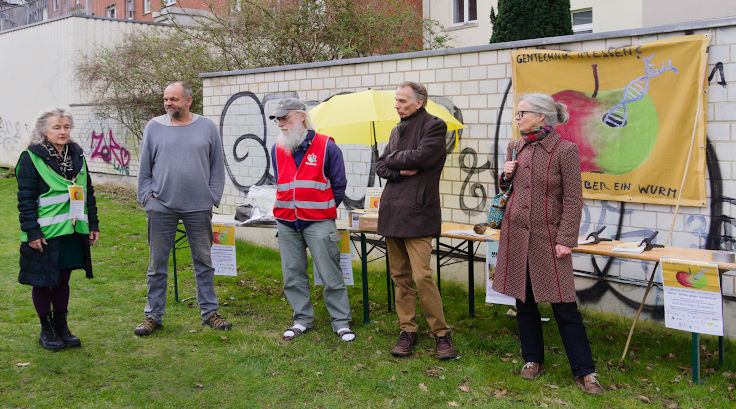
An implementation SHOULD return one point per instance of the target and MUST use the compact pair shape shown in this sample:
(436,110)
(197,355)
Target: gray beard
(289,140)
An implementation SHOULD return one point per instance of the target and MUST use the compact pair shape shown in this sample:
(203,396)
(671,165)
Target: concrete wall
(37,72)
(473,82)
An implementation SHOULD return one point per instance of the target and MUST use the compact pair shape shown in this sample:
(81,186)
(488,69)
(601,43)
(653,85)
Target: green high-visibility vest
(54,215)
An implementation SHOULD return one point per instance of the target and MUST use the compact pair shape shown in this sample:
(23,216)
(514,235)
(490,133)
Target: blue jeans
(162,224)
(569,323)
(319,237)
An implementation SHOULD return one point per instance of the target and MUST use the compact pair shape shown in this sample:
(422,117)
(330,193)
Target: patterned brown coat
(544,210)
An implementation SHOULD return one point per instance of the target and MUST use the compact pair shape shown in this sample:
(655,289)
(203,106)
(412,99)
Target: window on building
(582,21)
(465,11)
(170,2)
(110,11)
(146,6)
(55,5)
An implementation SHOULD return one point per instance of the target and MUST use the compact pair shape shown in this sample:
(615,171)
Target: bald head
(177,100)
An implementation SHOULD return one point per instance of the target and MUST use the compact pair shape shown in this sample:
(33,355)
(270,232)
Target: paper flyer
(223,249)
(492,296)
(346,260)
(372,197)
(692,296)
(76,202)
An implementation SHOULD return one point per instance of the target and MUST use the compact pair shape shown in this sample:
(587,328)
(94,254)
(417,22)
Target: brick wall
(472,83)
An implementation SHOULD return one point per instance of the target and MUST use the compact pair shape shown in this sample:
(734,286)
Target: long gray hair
(554,112)
(42,123)
(308,125)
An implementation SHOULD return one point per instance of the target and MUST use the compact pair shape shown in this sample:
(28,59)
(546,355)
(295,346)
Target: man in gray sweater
(181,176)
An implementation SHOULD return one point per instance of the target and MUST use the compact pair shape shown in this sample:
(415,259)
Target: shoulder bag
(498,204)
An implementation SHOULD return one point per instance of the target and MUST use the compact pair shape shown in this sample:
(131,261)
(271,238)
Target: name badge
(76,200)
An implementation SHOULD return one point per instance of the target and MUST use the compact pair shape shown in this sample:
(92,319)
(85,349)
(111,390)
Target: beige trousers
(409,259)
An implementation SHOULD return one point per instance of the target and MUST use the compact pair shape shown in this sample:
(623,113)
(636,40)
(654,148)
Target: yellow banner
(637,113)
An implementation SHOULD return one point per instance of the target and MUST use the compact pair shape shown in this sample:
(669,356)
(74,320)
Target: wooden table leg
(641,307)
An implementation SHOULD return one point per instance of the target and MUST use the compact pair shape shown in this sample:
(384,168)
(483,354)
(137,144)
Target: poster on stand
(223,249)
(346,260)
(692,296)
(493,296)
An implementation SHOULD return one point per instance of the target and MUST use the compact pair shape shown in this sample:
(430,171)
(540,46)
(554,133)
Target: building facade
(469,22)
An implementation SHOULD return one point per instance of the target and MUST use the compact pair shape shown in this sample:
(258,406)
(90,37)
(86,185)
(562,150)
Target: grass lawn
(187,365)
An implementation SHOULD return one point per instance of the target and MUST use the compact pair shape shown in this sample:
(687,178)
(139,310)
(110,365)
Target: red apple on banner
(604,147)
(684,279)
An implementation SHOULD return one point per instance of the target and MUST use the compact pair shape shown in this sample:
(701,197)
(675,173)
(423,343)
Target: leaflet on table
(692,296)
(223,249)
(629,247)
(492,296)
(470,233)
(346,260)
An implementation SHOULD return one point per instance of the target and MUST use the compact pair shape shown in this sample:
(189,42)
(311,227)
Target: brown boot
(589,384)
(532,370)
(444,348)
(405,345)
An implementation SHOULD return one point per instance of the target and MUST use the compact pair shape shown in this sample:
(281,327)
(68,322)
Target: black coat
(36,268)
(410,205)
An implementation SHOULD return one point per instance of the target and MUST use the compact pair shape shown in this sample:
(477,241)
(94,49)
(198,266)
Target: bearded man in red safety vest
(310,179)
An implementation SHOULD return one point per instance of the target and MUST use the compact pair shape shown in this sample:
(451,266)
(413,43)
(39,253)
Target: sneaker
(589,384)
(405,345)
(532,370)
(444,348)
(147,327)
(215,321)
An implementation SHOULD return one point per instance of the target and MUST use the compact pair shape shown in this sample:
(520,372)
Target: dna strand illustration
(635,90)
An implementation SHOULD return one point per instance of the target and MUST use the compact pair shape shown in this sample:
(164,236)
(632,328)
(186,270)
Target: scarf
(536,134)
(66,166)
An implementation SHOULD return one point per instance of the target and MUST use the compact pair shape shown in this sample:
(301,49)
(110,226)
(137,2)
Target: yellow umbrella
(367,117)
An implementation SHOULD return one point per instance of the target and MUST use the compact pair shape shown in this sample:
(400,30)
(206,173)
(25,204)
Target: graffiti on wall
(109,151)
(97,137)
(12,134)
(248,135)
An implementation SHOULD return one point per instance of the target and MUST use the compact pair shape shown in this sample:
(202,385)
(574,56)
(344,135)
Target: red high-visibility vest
(304,193)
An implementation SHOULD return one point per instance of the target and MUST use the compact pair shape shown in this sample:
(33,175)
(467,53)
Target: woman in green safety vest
(58,221)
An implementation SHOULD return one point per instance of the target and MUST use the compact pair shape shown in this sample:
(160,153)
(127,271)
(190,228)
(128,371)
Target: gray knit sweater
(181,166)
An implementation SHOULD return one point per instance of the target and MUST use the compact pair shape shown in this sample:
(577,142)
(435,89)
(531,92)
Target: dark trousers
(44,297)
(570,325)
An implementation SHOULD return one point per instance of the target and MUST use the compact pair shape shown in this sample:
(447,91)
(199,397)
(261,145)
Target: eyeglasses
(520,114)
(280,119)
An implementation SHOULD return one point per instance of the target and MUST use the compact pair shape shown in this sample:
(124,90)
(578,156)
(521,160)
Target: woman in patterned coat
(539,228)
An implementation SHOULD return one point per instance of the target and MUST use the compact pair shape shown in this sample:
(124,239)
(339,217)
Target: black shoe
(49,339)
(62,330)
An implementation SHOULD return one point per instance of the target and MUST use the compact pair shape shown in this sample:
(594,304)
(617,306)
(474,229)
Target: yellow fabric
(633,114)
(350,118)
